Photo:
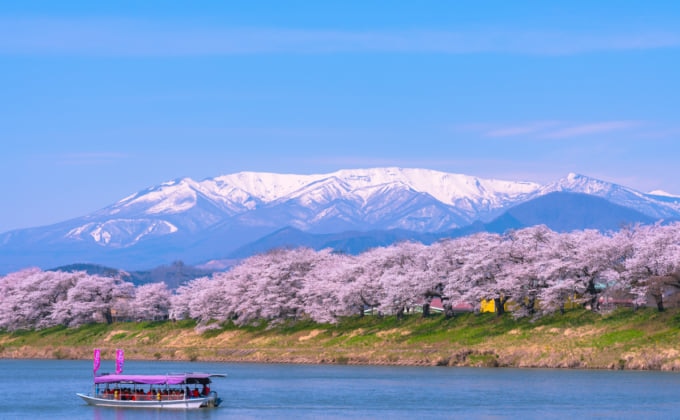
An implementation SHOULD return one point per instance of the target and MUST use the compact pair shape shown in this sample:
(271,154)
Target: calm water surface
(36,389)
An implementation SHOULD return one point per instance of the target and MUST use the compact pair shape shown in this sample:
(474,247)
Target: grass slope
(623,339)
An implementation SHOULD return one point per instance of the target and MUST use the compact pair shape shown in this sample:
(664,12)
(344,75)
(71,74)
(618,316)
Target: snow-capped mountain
(199,220)
(389,198)
(652,204)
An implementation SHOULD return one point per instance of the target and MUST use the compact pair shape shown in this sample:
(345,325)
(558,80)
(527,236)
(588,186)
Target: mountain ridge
(209,219)
(578,215)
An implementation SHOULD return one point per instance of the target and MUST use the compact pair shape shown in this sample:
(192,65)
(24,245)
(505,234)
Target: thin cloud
(592,128)
(524,129)
(119,37)
(550,129)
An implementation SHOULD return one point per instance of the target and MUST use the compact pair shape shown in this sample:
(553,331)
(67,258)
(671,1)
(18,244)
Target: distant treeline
(173,275)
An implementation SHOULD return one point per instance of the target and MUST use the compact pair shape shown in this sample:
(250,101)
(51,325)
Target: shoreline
(461,358)
(642,340)
(402,363)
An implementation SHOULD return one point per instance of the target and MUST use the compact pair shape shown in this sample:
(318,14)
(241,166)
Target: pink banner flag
(120,356)
(97,360)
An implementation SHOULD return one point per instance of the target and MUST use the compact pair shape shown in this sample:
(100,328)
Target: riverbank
(624,339)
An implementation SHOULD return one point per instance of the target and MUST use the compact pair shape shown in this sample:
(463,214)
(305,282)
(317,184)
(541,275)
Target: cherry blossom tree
(23,304)
(356,291)
(528,268)
(321,294)
(402,274)
(275,282)
(364,291)
(483,257)
(151,302)
(38,299)
(599,262)
(559,271)
(92,299)
(446,257)
(653,268)
(203,299)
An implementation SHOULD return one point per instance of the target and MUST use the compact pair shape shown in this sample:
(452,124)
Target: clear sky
(99,100)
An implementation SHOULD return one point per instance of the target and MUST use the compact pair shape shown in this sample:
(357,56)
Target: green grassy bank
(624,339)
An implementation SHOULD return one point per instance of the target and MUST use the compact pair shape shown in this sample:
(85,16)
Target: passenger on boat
(206,390)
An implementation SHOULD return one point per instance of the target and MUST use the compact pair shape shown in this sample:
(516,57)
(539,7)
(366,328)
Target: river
(35,389)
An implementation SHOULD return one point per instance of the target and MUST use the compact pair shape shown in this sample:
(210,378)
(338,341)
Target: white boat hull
(165,404)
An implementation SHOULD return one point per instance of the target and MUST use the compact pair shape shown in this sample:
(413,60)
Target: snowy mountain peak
(169,197)
(574,182)
(445,187)
(349,195)
(357,192)
(663,193)
(617,194)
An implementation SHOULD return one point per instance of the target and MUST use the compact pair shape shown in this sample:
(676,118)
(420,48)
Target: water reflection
(108,413)
(262,391)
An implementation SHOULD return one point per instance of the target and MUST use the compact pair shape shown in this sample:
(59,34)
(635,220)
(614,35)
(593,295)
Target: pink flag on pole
(97,360)
(119,361)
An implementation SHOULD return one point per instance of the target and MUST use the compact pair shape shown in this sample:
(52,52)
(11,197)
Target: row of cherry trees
(536,270)
(35,299)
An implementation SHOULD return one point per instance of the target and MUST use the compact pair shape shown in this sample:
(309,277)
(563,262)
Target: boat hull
(164,404)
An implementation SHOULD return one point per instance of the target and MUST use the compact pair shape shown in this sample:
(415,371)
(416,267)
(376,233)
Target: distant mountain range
(219,220)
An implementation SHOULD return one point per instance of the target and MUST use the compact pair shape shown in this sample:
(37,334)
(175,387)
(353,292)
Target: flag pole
(96,362)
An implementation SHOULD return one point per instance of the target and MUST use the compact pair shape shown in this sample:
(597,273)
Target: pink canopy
(171,379)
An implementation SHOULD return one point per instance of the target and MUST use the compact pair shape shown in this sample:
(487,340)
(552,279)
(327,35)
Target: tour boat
(177,390)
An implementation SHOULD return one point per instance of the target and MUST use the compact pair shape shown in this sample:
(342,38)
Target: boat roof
(169,379)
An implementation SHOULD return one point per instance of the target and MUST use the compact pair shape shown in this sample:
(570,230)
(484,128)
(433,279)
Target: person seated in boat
(195,393)
(206,390)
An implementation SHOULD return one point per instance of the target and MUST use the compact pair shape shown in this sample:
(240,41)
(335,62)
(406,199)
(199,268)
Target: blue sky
(103,99)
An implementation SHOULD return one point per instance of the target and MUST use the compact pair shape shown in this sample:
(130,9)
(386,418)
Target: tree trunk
(426,310)
(448,311)
(108,316)
(659,304)
(594,301)
(531,305)
(499,303)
